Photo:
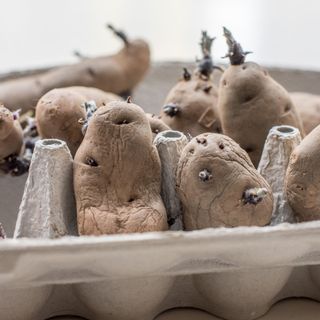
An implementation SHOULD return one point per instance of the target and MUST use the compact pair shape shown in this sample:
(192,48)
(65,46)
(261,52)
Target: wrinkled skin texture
(250,104)
(198,112)
(308,106)
(120,193)
(156,124)
(118,73)
(58,113)
(11,135)
(303,178)
(218,201)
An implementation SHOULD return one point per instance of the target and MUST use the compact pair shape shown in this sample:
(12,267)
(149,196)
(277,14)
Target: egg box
(238,273)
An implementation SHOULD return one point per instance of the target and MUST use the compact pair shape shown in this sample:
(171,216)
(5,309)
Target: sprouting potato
(58,113)
(118,73)
(251,102)
(303,178)
(219,186)
(117,174)
(191,105)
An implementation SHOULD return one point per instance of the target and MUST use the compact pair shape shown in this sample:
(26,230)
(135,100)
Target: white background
(35,33)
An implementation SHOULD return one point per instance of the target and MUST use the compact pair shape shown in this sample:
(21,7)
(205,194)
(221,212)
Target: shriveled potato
(219,187)
(118,73)
(58,113)
(117,174)
(11,134)
(303,178)
(251,102)
(191,105)
(156,124)
(308,106)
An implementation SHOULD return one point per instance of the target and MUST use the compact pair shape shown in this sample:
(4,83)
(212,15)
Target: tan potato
(11,134)
(117,174)
(58,113)
(219,187)
(156,124)
(303,178)
(118,73)
(308,106)
(191,105)
(251,103)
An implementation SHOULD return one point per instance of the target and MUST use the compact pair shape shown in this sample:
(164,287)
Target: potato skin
(197,102)
(156,124)
(120,193)
(250,104)
(58,113)
(11,134)
(303,178)
(308,106)
(118,73)
(218,201)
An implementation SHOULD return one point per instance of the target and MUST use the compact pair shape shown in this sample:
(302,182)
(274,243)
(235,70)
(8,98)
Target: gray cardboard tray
(235,274)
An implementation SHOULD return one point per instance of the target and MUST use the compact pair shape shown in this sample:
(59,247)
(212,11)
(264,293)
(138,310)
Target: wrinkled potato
(219,187)
(156,124)
(303,178)
(58,113)
(11,134)
(117,174)
(191,106)
(118,73)
(251,102)
(308,106)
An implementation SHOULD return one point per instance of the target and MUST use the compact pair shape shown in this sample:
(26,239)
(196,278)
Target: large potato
(303,178)
(219,186)
(117,174)
(251,102)
(118,73)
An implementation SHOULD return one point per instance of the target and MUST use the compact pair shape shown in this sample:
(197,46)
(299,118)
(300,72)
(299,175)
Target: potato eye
(91,162)
(202,141)
(205,175)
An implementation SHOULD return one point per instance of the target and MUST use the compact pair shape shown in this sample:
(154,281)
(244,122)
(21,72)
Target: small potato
(219,186)
(11,134)
(117,174)
(156,124)
(303,178)
(58,113)
(191,106)
(308,106)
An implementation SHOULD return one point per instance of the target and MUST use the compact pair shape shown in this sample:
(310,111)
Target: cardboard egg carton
(235,274)
(230,273)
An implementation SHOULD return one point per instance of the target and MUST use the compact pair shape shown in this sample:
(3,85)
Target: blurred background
(41,33)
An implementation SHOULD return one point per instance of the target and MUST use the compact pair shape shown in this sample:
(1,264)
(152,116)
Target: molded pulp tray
(232,273)
(235,274)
